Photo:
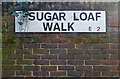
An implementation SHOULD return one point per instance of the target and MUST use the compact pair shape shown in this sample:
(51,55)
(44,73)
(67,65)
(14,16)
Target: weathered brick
(75,73)
(24,62)
(48,56)
(114,56)
(31,45)
(83,57)
(110,40)
(50,35)
(32,68)
(84,46)
(58,40)
(83,68)
(101,57)
(40,40)
(109,73)
(61,35)
(101,68)
(113,68)
(92,51)
(31,56)
(24,51)
(8,62)
(92,74)
(65,56)
(93,62)
(57,51)
(23,73)
(49,68)
(65,67)
(109,62)
(64,45)
(40,51)
(8,73)
(75,51)
(41,62)
(15,56)
(48,45)
(26,40)
(75,62)
(109,51)
(99,46)
(58,62)
(40,73)
(57,73)
(12,67)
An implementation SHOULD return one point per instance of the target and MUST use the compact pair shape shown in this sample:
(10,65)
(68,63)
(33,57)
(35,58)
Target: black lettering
(70,27)
(75,18)
(47,26)
(38,18)
(56,27)
(62,27)
(97,16)
(83,13)
(91,17)
(31,14)
(62,16)
(55,16)
(48,18)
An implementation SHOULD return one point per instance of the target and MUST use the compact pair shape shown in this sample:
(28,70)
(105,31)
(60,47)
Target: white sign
(63,22)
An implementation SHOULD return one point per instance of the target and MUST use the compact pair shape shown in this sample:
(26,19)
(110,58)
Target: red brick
(83,68)
(31,56)
(31,68)
(65,67)
(15,56)
(58,73)
(24,51)
(41,62)
(109,74)
(75,73)
(8,73)
(64,45)
(23,73)
(58,51)
(40,73)
(101,68)
(48,56)
(31,45)
(12,67)
(24,62)
(84,46)
(58,40)
(113,68)
(75,51)
(49,68)
(109,62)
(113,56)
(40,51)
(40,40)
(58,62)
(75,62)
(48,45)
(113,46)
(93,62)
(8,62)
(101,56)
(65,56)
(92,74)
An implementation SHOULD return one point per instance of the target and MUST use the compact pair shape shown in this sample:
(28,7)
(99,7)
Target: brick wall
(61,55)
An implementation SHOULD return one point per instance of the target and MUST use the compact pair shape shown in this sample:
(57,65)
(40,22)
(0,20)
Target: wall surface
(60,55)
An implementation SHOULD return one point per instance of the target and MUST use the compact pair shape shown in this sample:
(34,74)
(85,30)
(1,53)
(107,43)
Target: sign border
(63,32)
